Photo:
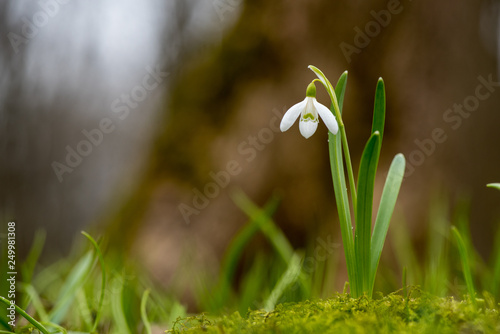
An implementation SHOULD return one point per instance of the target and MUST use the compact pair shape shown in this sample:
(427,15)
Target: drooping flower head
(309,109)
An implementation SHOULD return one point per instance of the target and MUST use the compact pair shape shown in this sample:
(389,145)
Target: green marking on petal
(308,117)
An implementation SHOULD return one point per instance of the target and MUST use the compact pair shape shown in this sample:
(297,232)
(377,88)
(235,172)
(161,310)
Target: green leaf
(494,185)
(265,223)
(103,279)
(379,109)
(269,228)
(288,278)
(340,189)
(340,90)
(495,264)
(144,315)
(464,257)
(28,267)
(366,183)
(233,254)
(74,282)
(35,301)
(385,210)
(117,305)
(25,315)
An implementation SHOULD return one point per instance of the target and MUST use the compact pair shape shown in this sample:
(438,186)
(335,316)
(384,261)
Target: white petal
(291,115)
(307,128)
(327,117)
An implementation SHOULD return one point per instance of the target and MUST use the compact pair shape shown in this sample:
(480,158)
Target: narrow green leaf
(404,251)
(235,249)
(103,280)
(25,315)
(28,266)
(340,90)
(385,210)
(340,189)
(272,232)
(36,302)
(437,257)
(379,109)
(254,284)
(366,183)
(495,281)
(177,311)
(58,329)
(119,317)
(464,257)
(405,284)
(68,291)
(494,185)
(266,224)
(144,315)
(288,278)
(84,310)
(342,201)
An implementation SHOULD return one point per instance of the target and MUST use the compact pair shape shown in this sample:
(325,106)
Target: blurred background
(136,120)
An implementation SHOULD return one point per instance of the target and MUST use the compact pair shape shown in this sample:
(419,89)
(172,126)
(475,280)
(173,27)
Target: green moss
(343,314)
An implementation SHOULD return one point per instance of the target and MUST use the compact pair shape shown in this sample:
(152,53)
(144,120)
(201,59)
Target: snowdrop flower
(308,111)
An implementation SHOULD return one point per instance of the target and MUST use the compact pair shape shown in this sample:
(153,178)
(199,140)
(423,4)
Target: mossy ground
(343,314)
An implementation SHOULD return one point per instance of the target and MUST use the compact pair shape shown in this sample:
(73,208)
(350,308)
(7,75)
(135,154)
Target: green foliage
(464,257)
(130,304)
(91,293)
(385,210)
(72,296)
(340,188)
(287,279)
(25,315)
(366,184)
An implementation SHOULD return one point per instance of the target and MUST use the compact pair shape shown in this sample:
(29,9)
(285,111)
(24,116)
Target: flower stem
(350,174)
(331,92)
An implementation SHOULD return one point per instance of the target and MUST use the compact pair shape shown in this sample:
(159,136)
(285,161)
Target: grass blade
(68,291)
(25,315)
(254,284)
(235,249)
(366,184)
(385,210)
(144,315)
(266,225)
(103,280)
(404,283)
(177,311)
(84,310)
(270,230)
(464,257)
(28,267)
(36,302)
(119,317)
(437,273)
(495,284)
(289,277)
